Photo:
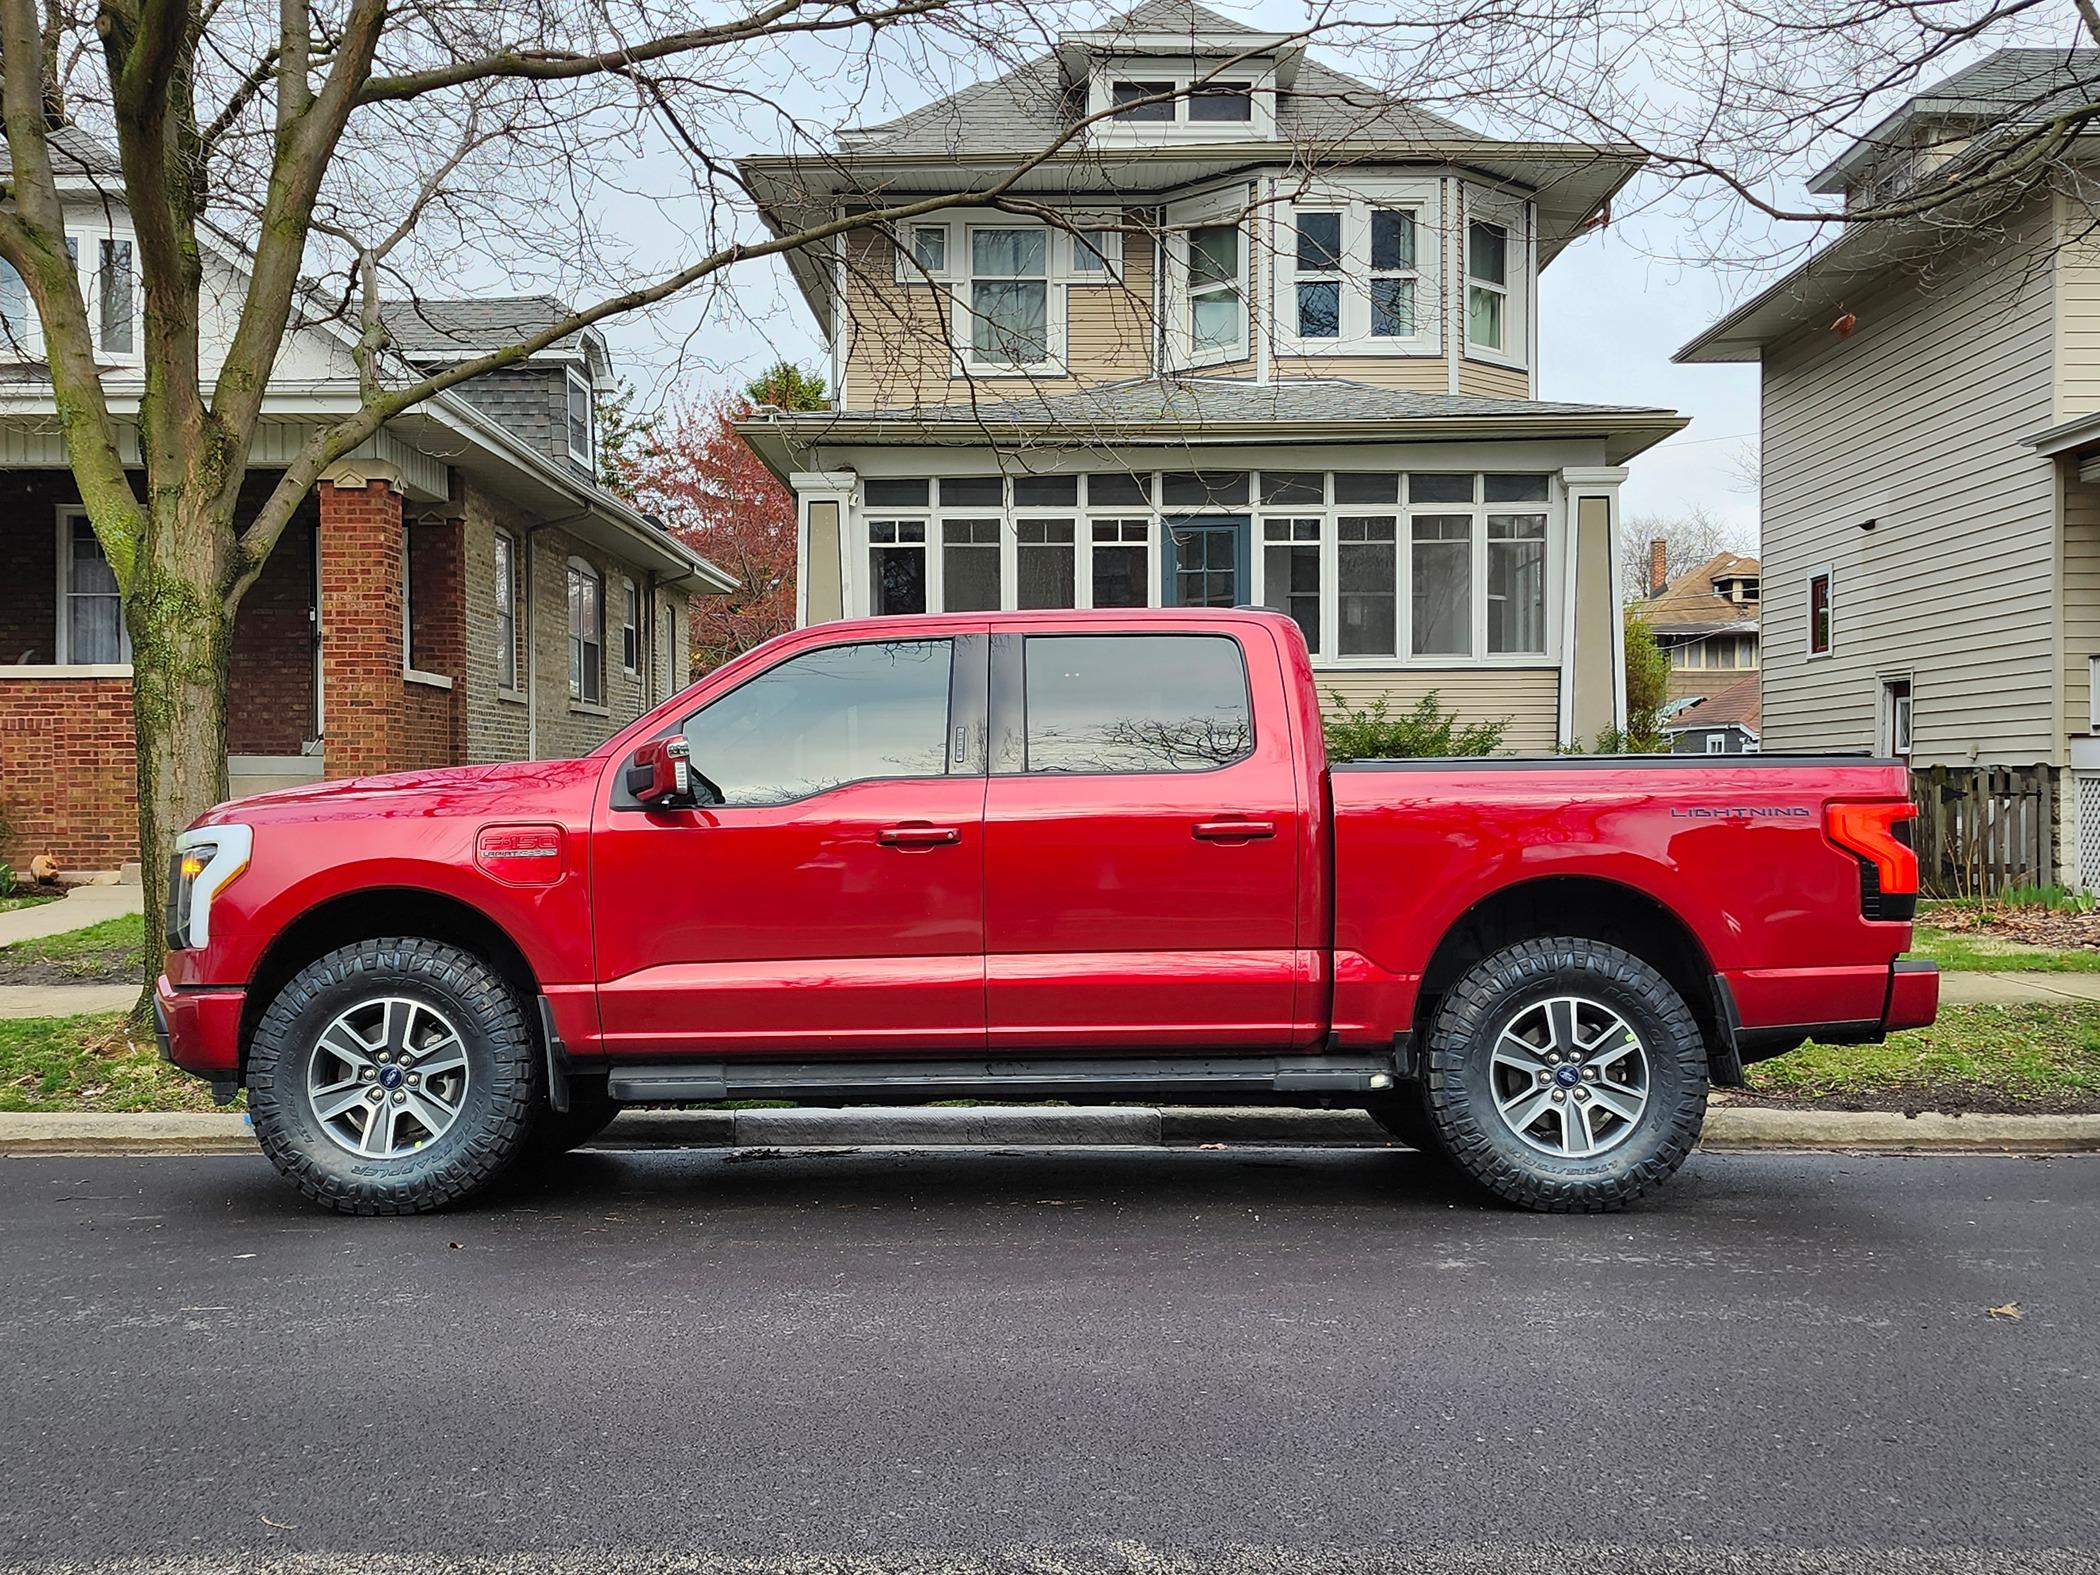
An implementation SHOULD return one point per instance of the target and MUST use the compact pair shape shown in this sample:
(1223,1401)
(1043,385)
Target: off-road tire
(1459,1097)
(556,1132)
(495,1116)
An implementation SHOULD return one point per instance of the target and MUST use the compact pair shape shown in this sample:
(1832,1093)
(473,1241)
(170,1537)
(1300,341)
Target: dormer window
(1185,99)
(1135,101)
(1221,101)
(580,424)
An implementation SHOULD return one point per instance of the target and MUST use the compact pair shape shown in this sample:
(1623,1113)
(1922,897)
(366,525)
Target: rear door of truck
(1142,838)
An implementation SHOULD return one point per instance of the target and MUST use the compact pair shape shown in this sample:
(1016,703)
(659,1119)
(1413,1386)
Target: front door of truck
(832,901)
(1143,836)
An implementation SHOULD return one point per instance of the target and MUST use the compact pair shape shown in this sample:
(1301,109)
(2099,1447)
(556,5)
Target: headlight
(206,858)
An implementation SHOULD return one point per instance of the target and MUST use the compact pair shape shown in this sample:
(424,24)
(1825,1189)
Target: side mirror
(660,773)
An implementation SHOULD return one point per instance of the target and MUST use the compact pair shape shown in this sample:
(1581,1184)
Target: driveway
(1158,1360)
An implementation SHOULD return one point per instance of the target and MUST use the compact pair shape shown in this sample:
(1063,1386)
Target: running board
(697,1082)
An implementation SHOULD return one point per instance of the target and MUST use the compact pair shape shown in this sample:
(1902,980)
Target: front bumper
(200,1029)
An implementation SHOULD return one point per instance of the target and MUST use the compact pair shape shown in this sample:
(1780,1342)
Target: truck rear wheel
(1565,1075)
(393,1076)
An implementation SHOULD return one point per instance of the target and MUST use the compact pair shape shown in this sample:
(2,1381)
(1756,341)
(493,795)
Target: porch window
(1367,579)
(970,565)
(1319,266)
(91,628)
(506,589)
(1217,309)
(1487,285)
(579,418)
(1441,567)
(1122,563)
(630,626)
(1009,297)
(586,633)
(1819,613)
(1516,568)
(896,566)
(1291,572)
(1045,564)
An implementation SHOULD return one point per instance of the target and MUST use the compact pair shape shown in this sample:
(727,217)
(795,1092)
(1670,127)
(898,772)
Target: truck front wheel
(393,1076)
(1565,1075)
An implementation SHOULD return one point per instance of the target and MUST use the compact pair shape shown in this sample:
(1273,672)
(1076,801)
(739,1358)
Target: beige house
(1931,469)
(1252,336)
(1705,621)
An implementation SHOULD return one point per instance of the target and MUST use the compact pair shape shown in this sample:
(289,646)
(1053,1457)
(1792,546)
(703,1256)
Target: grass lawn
(89,1063)
(27,900)
(1984,1058)
(111,951)
(1974,951)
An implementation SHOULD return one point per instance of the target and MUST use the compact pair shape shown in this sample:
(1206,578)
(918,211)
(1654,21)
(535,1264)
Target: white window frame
(580,695)
(409,670)
(1356,202)
(1518,288)
(1808,608)
(507,665)
(86,247)
(630,626)
(1717,742)
(964,316)
(1227,207)
(589,454)
(1896,717)
(1101,239)
(61,644)
(1182,76)
(908,270)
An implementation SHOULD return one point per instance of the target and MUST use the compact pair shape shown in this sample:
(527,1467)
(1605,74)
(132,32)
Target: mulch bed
(115,965)
(2059,929)
(1947,1098)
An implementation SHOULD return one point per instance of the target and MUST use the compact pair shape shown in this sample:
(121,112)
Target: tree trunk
(180,636)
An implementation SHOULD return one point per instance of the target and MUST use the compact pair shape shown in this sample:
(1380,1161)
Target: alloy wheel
(387,1077)
(1569,1077)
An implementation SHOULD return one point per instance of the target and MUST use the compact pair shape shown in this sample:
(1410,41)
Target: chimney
(1658,566)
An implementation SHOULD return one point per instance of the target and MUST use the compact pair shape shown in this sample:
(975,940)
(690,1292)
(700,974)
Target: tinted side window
(842,714)
(1136,702)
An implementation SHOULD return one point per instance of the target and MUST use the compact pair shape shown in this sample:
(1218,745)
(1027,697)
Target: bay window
(1009,297)
(1217,307)
(1319,275)
(1393,275)
(1487,286)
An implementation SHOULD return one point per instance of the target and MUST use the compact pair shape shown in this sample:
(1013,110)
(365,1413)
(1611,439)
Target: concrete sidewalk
(78,908)
(2016,989)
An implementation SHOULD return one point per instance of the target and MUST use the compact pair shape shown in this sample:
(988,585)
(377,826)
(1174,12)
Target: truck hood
(505,787)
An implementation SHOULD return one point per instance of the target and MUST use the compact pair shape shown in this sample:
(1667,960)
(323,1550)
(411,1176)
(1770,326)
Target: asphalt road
(1167,1361)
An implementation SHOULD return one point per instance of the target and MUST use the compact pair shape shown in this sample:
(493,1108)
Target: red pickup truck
(1031,855)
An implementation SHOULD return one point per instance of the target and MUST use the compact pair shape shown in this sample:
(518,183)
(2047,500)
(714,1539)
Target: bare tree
(1688,540)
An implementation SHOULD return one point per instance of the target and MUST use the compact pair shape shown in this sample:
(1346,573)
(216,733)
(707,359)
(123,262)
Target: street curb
(1728,1127)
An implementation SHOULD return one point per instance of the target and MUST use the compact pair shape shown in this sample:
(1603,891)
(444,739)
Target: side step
(695,1082)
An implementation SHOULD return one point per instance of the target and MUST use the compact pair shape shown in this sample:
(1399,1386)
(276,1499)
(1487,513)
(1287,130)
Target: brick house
(459,589)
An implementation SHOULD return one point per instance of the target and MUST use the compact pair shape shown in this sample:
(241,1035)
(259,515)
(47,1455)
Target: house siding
(1421,374)
(1493,382)
(1528,698)
(2081,600)
(530,402)
(1916,421)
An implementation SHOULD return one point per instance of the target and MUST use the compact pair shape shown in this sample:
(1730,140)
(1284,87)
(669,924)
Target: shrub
(1424,730)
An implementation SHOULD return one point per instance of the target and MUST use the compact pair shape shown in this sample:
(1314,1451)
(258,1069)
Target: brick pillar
(437,554)
(362,701)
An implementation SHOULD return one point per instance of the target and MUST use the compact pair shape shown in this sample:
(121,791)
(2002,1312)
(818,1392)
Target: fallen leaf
(1210,1145)
(455,1246)
(240,1255)
(2010,1312)
(281,1525)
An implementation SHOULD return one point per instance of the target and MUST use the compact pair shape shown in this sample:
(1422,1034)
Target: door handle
(1234,830)
(918,836)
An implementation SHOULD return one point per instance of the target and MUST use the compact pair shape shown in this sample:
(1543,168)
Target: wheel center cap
(1566,1076)
(390,1076)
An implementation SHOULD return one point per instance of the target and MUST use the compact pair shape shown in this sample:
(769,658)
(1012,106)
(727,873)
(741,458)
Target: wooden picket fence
(1982,829)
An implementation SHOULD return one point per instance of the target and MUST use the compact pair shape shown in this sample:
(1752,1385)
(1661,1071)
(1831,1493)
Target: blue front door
(1206,562)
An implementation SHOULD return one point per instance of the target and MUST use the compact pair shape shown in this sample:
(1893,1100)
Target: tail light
(1878,835)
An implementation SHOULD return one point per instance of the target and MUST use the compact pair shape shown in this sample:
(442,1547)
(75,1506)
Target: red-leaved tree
(720,499)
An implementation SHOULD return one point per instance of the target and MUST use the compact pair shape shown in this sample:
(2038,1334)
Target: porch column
(822,498)
(361,656)
(1593,635)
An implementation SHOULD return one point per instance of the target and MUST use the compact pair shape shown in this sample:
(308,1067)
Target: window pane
(1220,102)
(895,494)
(1366,568)
(95,630)
(1442,567)
(1439,489)
(1487,253)
(1392,241)
(970,565)
(1117,490)
(1053,491)
(1293,486)
(1204,487)
(1045,566)
(1099,703)
(972,491)
(1091,250)
(116,296)
(1516,609)
(1121,576)
(1484,317)
(1320,309)
(1393,308)
(1515,489)
(1214,321)
(1366,486)
(929,248)
(1123,94)
(1009,323)
(1009,254)
(14,309)
(896,579)
(1214,255)
(844,714)
(1291,582)
(1319,242)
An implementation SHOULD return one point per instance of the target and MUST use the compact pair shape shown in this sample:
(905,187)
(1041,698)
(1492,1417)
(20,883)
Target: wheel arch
(1593,908)
(375,911)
